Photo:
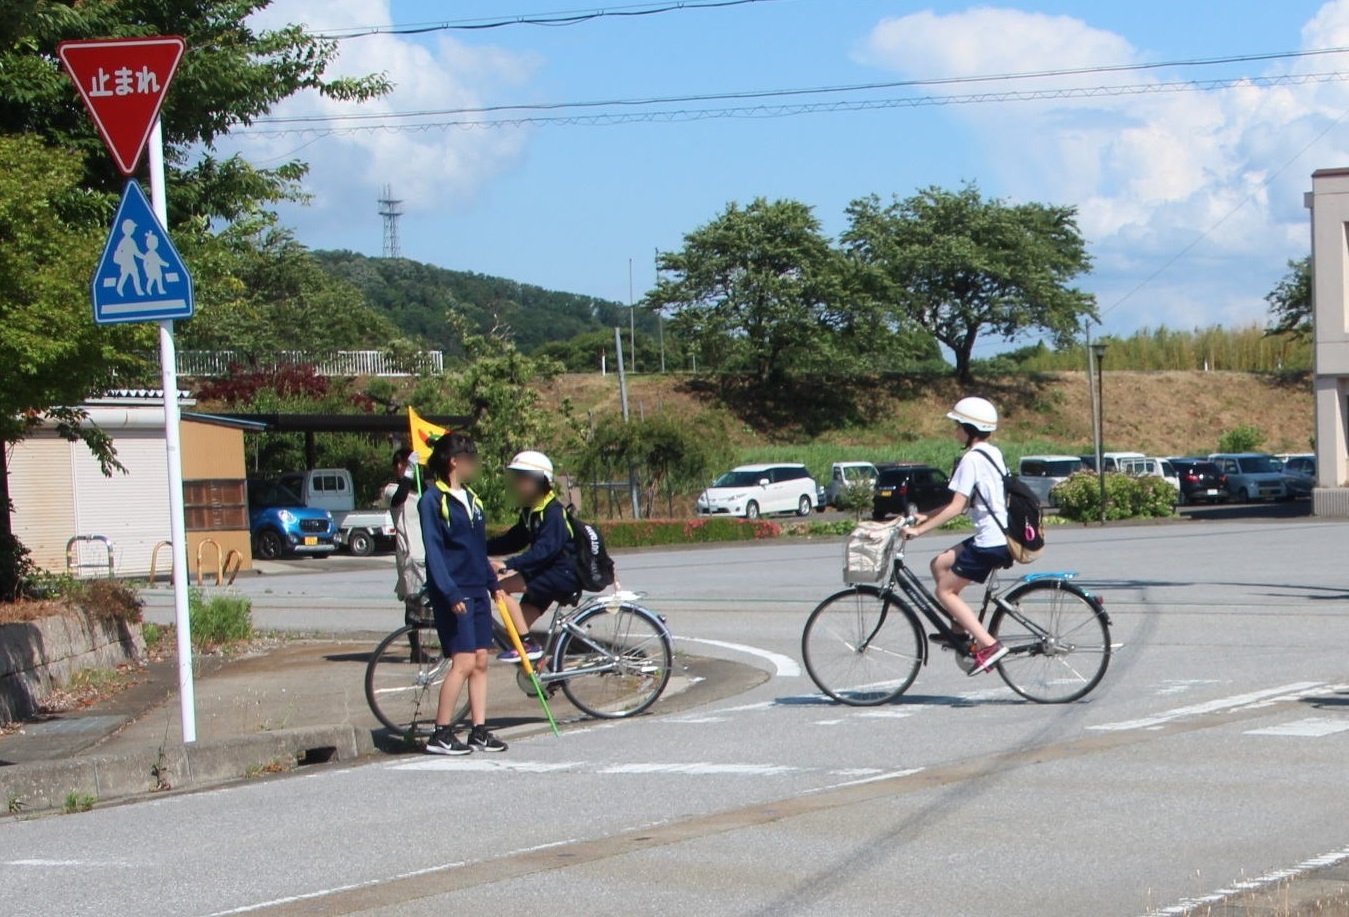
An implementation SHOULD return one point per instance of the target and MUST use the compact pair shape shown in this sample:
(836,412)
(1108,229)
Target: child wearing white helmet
(976,488)
(543,569)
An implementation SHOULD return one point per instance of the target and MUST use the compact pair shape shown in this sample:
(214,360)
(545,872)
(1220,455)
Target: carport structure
(310,425)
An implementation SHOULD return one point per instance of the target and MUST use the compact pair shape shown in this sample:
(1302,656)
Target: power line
(560,18)
(681,115)
(815,90)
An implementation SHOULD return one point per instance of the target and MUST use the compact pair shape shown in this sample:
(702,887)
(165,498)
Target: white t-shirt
(976,472)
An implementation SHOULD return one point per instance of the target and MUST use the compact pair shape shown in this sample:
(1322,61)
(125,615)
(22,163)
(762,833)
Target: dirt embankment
(1161,413)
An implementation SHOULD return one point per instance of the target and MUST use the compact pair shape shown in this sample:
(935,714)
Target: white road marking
(1313,728)
(482,764)
(1213,706)
(1181,685)
(875,778)
(704,769)
(784,666)
(1190,905)
(898,714)
(66,864)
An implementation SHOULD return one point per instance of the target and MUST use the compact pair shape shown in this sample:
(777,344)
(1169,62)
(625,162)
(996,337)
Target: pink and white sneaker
(988,657)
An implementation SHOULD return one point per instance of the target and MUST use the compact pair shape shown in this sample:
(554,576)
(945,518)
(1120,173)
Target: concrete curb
(44,785)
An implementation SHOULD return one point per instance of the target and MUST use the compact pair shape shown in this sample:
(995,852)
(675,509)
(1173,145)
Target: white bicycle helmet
(533,463)
(977,412)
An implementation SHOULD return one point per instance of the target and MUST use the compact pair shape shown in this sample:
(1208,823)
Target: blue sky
(568,206)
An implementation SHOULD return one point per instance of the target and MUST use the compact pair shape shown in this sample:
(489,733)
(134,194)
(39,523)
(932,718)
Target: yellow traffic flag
(424,434)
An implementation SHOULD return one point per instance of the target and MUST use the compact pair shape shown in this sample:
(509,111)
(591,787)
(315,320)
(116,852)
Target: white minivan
(752,491)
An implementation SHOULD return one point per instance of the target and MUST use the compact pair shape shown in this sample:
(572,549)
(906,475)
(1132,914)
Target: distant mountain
(415,296)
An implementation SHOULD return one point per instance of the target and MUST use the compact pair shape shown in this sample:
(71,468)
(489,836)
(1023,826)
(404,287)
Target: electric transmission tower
(391,209)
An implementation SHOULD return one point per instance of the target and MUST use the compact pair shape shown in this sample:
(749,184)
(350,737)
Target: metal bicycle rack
(219,561)
(75,566)
(234,562)
(154,561)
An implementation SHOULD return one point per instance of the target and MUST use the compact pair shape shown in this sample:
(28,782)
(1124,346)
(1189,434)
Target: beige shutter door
(41,486)
(132,509)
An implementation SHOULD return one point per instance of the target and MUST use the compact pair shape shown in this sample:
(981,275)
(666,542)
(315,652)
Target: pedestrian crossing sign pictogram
(140,277)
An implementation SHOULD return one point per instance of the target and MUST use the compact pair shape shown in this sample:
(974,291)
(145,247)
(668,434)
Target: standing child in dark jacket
(545,567)
(460,585)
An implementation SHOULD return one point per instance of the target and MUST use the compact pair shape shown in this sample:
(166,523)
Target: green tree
(54,207)
(672,458)
(498,388)
(961,265)
(52,355)
(1290,302)
(758,286)
(230,76)
(268,293)
(1246,438)
(581,354)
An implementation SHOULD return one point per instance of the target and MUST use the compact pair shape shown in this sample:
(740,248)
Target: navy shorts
(559,585)
(466,633)
(976,564)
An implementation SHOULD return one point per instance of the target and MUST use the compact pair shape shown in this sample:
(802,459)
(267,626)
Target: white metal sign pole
(168,358)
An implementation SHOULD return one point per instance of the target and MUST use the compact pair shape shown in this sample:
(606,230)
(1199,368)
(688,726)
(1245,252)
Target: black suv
(900,485)
(1201,481)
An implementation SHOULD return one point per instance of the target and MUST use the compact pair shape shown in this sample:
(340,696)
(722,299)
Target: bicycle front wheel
(614,662)
(861,648)
(1058,641)
(403,679)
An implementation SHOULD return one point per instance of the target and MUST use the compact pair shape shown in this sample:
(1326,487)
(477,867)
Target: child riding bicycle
(544,570)
(977,488)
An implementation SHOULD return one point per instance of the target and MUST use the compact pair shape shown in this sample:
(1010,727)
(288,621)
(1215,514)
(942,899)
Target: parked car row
(751,491)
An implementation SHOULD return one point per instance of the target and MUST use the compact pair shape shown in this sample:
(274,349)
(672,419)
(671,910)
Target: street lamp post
(1098,352)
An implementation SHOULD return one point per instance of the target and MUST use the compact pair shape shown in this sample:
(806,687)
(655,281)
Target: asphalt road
(1213,752)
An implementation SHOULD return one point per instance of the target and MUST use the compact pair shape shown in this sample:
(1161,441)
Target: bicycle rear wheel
(861,648)
(1058,642)
(403,679)
(614,662)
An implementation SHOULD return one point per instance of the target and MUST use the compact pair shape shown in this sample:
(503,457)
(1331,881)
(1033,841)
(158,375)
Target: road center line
(783,666)
(1213,706)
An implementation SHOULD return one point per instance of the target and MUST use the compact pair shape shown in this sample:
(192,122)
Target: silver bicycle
(611,657)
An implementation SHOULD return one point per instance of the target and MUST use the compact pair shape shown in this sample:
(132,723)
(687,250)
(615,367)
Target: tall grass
(1245,349)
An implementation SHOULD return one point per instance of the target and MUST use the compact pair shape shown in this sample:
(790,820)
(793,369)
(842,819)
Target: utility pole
(627,416)
(660,318)
(632,318)
(1098,351)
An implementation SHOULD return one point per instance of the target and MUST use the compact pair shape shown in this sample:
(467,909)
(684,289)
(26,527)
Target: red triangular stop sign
(123,82)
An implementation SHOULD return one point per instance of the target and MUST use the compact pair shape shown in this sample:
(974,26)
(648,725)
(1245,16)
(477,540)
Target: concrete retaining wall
(38,656)
(43,785)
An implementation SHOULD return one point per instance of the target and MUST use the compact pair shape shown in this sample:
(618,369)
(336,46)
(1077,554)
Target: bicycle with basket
(864,646)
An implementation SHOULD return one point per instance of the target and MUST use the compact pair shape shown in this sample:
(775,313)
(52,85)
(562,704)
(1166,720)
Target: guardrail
(209,363)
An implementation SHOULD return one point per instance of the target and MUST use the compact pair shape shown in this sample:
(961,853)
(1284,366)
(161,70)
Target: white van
(752,491)
(1150,468)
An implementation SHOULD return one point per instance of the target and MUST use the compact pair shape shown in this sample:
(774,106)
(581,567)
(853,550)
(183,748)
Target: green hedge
(1126,497)
(658,532)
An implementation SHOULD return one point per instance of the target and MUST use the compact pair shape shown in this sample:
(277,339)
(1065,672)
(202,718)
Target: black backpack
(1024,531)
(594,566)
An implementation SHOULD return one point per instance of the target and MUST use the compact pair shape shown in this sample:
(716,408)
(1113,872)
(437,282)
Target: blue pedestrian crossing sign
(141,277)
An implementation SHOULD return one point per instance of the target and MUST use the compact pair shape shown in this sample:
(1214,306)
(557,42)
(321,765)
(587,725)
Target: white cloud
(428,169)
(1150,173)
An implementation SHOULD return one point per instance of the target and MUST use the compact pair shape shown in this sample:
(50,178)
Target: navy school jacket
(456,546)
(543,538)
